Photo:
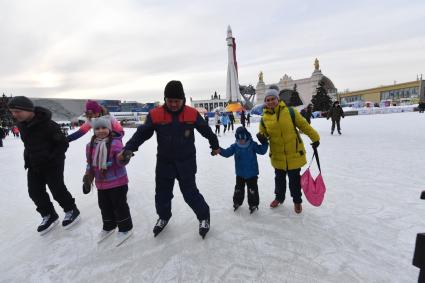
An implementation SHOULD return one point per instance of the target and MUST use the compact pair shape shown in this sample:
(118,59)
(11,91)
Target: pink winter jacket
(116,175)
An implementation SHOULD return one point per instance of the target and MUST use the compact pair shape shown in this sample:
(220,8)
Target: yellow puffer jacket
(287,150)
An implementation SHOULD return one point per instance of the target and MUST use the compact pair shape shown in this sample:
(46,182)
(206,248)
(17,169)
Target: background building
(396,94)
(210,104)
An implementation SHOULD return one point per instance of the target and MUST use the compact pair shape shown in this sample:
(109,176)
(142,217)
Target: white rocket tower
(232,85)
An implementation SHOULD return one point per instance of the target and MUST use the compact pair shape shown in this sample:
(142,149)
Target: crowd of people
(227,120)
(174,123)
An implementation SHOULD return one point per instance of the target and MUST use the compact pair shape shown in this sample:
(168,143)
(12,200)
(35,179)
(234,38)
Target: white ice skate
(103,235)
(122,237)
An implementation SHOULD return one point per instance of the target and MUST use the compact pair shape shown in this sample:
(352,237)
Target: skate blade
(101,239)
(69,226)
(121,241)
(53,225)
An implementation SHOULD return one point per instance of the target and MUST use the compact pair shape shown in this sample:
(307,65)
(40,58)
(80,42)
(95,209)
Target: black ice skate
(71,218)
(252,209)
(159,226)
(235,207)
(48,223)
(204,227)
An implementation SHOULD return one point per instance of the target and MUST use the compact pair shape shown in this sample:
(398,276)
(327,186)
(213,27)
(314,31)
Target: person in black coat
(44,155)
(307,113)
(174,124)
(421,106)
(243,118)
(2,136)
(232,121)
(335,113)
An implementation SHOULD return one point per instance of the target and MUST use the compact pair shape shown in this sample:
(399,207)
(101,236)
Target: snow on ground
(364,232)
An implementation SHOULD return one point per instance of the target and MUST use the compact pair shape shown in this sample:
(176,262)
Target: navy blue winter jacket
(174,132)
(246,164)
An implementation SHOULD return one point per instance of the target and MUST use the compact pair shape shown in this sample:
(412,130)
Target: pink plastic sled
(314,189)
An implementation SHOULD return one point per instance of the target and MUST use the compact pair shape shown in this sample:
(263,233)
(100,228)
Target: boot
(252,209)
(275,203)
(71,218)
(159,226)
(48,223)
(298,208)
(204,227)
(122,236)
(104,234)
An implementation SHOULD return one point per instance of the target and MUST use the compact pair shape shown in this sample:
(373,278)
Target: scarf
(100,154)
(247,143)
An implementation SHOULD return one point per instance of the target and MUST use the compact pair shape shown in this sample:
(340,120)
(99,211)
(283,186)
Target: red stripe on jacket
(160,115)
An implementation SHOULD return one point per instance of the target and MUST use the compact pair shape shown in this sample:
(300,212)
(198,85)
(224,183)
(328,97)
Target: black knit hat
(22,103)
(174,89)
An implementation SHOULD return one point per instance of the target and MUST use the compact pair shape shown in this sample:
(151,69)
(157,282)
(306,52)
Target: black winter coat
(307,114)
(45,144)
(336,113)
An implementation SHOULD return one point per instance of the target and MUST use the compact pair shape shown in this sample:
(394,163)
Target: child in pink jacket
(110,178)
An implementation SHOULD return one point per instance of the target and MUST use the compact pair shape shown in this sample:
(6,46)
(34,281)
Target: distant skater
(335,113)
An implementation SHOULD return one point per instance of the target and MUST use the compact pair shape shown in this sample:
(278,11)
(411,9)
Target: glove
(127,155)
(215,151)
(87,183)
(315,144)
(262,138)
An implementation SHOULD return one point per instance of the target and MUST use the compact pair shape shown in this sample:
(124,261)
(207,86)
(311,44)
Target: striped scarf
(100,154)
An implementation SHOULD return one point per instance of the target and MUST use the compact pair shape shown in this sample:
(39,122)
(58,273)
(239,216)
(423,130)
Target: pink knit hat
(93,106)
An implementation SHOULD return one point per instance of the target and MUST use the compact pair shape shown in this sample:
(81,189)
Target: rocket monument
(232,86)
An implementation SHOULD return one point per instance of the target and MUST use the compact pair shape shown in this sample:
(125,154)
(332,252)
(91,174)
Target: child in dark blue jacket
(245,151)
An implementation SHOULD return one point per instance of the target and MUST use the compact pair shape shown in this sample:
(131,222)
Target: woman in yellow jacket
(287,152)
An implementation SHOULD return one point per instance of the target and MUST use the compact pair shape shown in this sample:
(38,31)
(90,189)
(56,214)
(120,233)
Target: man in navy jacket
(174,124)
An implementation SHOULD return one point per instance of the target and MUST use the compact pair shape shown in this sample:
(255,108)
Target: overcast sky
(129,50)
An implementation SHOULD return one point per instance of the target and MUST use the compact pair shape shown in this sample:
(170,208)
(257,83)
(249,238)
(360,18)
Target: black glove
(315,144)
(87,183)
(127,155)
(262,138)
